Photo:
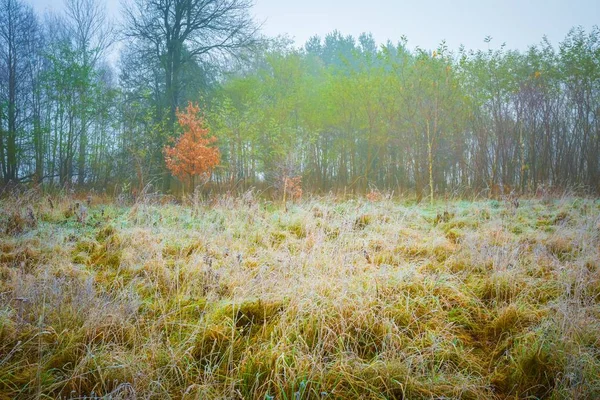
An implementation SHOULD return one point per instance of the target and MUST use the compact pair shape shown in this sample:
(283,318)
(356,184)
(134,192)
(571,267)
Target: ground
(237,298)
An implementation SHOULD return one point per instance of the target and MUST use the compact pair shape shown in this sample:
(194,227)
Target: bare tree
(177,31)
(89,29)
(92,36)
(17,30)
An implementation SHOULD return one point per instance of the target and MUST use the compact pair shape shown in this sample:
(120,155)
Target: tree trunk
(430,162)
(82,149)
(11,145)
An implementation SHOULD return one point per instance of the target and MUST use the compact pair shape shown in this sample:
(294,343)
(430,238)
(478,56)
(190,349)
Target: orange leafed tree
(192,154)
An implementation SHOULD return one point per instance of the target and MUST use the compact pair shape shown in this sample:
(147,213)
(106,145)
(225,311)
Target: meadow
(329,299)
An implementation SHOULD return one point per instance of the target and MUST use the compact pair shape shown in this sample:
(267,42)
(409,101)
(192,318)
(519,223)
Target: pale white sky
(425,23)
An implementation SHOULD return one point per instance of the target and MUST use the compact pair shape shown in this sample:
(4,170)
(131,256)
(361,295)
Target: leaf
(192,154)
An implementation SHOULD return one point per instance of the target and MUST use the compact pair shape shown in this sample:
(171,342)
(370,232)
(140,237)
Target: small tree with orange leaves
(192,154)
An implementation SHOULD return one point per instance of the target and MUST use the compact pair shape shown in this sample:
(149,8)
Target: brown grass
(355,299)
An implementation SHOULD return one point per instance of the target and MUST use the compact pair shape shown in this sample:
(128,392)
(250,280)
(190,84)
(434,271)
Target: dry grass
(356,299)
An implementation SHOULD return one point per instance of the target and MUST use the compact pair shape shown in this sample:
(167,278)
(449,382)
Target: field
(332,299)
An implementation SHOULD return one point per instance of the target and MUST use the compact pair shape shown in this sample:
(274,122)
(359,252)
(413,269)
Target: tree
(179,31)
(439,104)
(192,155)
(17,36)
(91,36)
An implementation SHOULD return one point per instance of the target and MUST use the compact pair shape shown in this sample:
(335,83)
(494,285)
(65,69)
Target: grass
(332,299)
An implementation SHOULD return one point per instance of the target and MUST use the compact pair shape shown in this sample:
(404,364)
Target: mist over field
(196,203)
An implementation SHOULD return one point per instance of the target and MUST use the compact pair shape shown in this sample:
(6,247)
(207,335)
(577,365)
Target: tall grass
(352,299)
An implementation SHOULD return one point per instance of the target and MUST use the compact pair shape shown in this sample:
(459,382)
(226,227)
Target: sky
(425,23)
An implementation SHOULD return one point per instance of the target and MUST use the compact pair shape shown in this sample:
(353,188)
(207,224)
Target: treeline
(57,95)
(346,113)
(343,113)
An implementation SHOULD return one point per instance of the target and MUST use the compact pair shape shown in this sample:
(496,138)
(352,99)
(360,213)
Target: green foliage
(350,115)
